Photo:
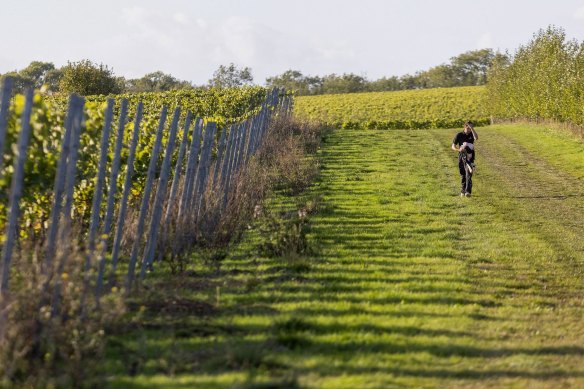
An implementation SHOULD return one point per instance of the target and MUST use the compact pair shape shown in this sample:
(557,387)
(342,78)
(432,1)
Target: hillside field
(427,108)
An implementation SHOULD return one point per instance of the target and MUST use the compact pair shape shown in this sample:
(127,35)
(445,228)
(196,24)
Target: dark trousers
(465,177)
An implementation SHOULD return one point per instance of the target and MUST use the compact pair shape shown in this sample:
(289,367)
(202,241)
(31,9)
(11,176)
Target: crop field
(430,108)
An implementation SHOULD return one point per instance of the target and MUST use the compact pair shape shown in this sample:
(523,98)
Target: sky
(191,38)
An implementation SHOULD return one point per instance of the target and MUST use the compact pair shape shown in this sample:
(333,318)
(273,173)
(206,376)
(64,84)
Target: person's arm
(474,133)
(455,148)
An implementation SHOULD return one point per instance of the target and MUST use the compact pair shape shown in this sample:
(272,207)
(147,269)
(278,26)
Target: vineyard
(431,108)
(239,238)
(48,127)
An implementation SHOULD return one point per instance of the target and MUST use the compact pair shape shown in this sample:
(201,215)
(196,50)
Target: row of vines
(47,125)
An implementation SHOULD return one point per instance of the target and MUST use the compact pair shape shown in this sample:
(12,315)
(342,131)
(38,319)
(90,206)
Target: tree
(471,67)
(346,83)
(19,83)
(294,80)
(441,76)
(35,75)
(156,82)
(37,72)
(86,78)
(385,84)
(231,77)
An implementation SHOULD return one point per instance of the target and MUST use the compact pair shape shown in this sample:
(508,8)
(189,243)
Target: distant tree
(35,75)
(19,82)
(231,76)
(346,83)
(441,76)
(409,81)
(37,72)
(385,84)
(156,82)
(471,67)
(52,79)
(294,80)
(86,78)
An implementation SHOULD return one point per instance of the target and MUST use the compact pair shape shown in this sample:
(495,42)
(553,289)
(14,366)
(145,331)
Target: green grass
(410,285)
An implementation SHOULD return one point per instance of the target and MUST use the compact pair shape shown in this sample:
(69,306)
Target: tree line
(467,69)
(544,79)
(88,78)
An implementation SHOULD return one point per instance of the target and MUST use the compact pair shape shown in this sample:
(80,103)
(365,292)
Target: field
(408,285)
(376,275)
(429,108)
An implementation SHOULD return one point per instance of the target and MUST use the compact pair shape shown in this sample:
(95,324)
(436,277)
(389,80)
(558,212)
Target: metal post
(16,193)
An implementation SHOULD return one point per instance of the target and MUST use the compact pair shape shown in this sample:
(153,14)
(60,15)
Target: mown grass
(408,285)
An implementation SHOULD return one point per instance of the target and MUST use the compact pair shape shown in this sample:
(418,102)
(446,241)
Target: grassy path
(412,286)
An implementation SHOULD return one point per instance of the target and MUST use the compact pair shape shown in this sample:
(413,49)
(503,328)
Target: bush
(86,78)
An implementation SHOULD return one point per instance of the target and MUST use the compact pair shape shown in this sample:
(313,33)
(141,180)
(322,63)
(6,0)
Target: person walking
(463,143)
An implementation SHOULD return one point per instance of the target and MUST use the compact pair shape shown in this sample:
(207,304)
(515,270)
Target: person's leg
(462,171)
(468,179)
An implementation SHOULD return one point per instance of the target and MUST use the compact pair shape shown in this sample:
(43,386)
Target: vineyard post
(113,180)
(178,167)
(16,193)
(204,164)
(159,197)
(5,94)
(59,186)
(219,159)
(241,150)
(71,173)
(145,199)
(124,200)
(99,181)
(113,188)
(227,156)
(230,167)
(191,168)
(248,146)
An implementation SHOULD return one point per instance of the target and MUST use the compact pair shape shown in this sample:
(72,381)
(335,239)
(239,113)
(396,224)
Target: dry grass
(52,326)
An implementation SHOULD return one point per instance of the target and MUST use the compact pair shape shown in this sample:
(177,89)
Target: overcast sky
(191,38)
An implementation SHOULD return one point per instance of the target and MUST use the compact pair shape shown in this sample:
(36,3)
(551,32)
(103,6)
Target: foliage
(155,82)
(48,115)
(467,69)
(433,108)
(231,76)
(294,80)
(87,78)
(35,75)
(543,80)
